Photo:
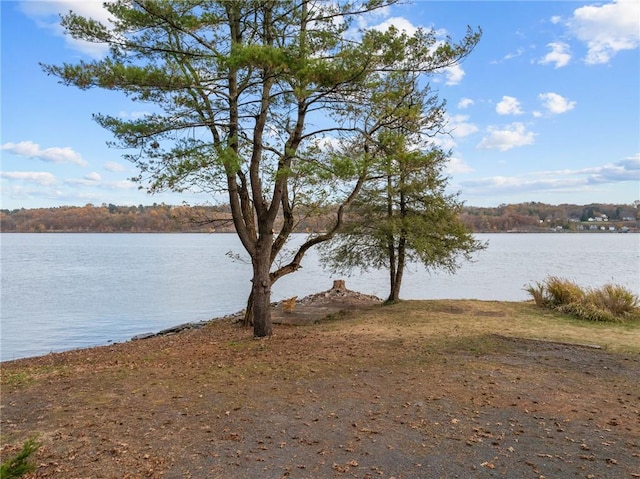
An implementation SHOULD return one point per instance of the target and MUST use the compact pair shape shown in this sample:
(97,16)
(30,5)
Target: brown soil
(332,394)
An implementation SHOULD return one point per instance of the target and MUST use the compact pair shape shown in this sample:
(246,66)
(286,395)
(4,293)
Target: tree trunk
(247,320)
(339,286)
(391,245)
(261,288)
(393,290)
(399,258)
(392,258)
(396,279)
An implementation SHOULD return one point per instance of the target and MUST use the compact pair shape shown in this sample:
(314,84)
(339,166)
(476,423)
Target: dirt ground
(333,393)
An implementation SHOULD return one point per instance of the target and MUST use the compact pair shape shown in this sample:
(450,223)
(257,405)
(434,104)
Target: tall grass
(615,299)
(609,303)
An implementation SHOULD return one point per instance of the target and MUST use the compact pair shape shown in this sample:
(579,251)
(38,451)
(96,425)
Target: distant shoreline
(161,218)
(632,231)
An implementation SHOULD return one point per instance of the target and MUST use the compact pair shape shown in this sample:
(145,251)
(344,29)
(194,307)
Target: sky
(546,108)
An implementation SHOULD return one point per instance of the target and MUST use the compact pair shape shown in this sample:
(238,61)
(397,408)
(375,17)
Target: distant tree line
(110,218)
(117,219)
(535,216)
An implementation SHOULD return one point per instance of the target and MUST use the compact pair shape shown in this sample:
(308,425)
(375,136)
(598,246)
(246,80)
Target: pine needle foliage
(242,96)
(18,465)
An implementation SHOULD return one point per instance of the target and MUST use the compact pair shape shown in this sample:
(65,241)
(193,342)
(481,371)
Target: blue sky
(546,108)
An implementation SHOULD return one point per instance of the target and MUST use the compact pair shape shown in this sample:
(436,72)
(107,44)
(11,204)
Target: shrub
(18,465)
(562,291)
(609,303)
(616,299)
(587,311)
(537,292)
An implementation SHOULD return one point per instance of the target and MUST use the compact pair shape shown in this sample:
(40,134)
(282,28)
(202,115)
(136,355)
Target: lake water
(65,291)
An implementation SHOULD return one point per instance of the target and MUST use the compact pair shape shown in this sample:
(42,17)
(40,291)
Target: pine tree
(242,96)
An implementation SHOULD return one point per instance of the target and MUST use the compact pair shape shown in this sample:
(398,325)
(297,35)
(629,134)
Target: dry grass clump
(616,299)
(612,303)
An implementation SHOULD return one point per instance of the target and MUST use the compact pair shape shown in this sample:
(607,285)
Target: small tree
(18,465)
(241,95)
(403,212)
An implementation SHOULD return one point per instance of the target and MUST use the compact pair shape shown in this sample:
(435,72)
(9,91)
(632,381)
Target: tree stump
(289,305)
(338,286)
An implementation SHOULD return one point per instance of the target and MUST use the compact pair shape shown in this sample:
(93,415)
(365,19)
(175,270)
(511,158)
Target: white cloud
(454,74)
(94,50)
(88,8)
(362,21)
(94,180)
(29,149)
(457,165)
(515,54)
(465,103)
(508,106)
(607,29)
(511,55)
(445,142)
(632,163)
(625,170)
(555,104)
(560,55)
(457,126)
(460,126)
(326,142)
(39,177)
(512,136)
(122,185)
(565,181)
(501,185)
(113,166)
(46,14)
(86,181)
(400,23)
(133,115)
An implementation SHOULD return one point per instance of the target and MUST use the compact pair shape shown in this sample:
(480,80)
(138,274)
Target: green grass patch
(16,378)
(11,376)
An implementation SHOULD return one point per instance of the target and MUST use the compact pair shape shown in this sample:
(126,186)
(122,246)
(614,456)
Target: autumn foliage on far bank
(159,218)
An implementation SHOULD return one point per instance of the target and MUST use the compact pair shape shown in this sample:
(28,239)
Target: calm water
(64,291)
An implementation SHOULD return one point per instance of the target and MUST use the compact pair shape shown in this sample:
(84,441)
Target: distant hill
(521,217)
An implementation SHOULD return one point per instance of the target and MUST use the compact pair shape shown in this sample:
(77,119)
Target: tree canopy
(244,97)
(403,213)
